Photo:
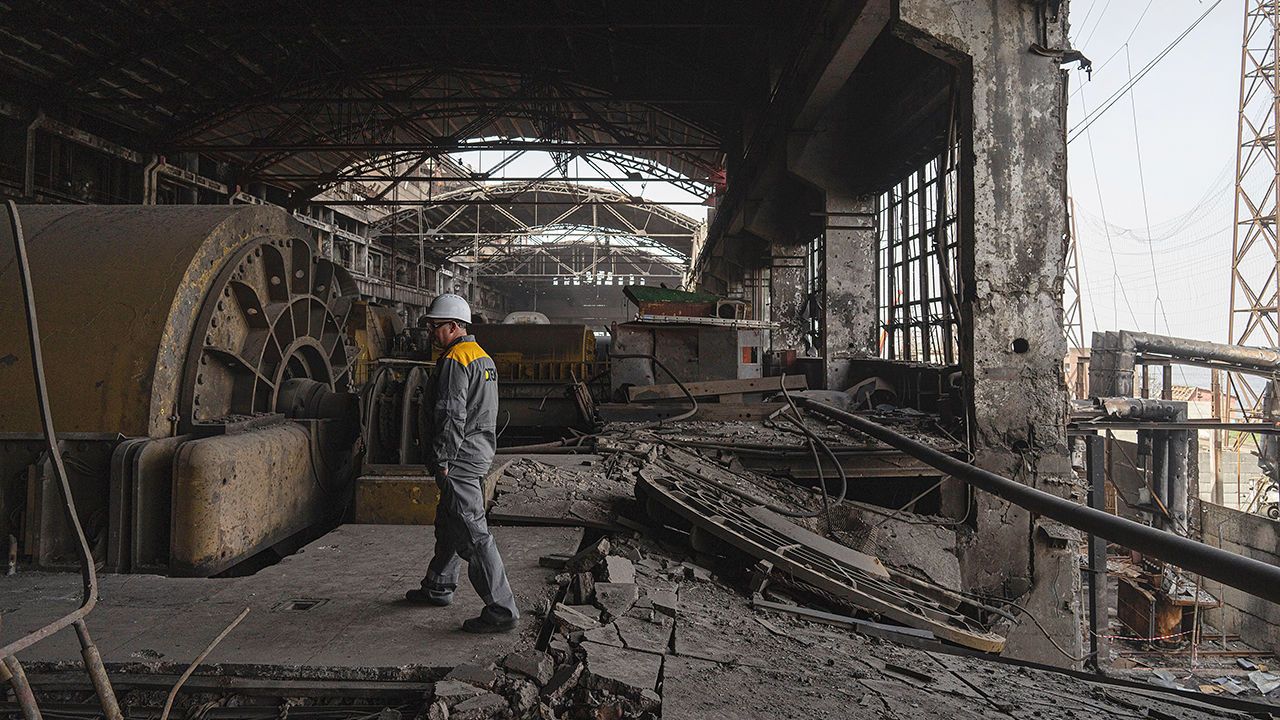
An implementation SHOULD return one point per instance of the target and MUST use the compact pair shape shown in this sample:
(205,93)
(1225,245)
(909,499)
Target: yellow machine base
(404,495)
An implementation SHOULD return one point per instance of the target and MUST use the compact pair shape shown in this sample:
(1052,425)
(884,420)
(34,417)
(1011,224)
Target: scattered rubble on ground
(643,625)
(691,646)
(571,490)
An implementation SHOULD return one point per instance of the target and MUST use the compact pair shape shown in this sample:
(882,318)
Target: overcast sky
(1158,165)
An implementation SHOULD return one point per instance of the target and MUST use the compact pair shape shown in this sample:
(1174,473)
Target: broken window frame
(815,292)
(918,276)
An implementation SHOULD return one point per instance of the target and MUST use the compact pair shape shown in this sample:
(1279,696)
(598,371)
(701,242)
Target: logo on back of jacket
(490,375)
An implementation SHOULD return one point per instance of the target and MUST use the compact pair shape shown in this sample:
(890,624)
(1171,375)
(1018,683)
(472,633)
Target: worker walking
(458,435)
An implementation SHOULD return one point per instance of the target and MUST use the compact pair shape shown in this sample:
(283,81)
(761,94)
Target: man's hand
(442,474)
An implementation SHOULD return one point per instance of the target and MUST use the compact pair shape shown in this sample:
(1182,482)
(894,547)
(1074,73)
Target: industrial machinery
(698,336)
(199,375)
(550,376)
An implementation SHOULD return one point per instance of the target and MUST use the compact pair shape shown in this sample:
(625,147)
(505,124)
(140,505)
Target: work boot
(437,596)
(493,619)
(484,624)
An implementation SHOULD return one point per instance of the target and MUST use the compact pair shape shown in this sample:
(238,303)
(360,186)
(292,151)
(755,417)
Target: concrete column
(787,295)
(850,320)
(1013,296)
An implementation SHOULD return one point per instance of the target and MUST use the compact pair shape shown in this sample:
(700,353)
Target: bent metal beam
(1245,574)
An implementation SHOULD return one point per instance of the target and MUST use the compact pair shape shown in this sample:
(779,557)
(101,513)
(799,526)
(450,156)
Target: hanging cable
(1107,104)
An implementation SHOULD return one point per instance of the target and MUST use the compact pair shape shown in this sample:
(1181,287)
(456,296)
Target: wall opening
(815,293)
(918,263)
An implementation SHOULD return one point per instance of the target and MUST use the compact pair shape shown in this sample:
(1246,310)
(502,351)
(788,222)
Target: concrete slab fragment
(616,598)
(336,606)
(649,636)
(619,569)
(622,671)
(533,664)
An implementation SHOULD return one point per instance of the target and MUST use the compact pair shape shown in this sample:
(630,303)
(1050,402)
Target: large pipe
(1258,358)
(1179,461)
(1245,574)
(1143,409)
(1160,468)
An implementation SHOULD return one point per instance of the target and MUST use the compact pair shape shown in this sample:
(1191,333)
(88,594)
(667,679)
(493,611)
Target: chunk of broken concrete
(480,707)
(616,598)
(571,619)
(438,710)
(524,698)
(481,677)
(692,571)
(588,557)
(607,635)
(533,664)
(564,679)
(590,611)
(453,692)
(620,671)
(664,601)
(619,570)
(559,647)
(650,700)
(581,588)
(637,634)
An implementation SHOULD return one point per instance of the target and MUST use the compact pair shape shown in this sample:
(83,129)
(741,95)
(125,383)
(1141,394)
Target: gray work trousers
(462,533)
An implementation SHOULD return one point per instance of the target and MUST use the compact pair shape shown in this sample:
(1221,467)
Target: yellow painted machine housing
(538,352)
(178,325)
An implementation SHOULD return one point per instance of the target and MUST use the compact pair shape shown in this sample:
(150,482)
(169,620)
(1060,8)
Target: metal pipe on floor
(97,673)
(17,679)
(1245,574)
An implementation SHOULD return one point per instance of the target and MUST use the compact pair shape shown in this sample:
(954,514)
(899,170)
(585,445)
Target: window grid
(917,273)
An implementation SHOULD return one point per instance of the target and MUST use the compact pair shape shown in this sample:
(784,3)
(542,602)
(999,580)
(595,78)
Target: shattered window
(815,292)
(917,264)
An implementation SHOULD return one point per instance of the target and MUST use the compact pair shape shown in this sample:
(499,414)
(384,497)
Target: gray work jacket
(464,402)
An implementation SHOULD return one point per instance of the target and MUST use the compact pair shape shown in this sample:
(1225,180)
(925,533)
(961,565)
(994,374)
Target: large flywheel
(276,313)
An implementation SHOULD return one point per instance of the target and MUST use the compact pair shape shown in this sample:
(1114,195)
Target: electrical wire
(173,692)
(88,571)
(1115,268)
(1107,104)
(844,479)
(1123,46)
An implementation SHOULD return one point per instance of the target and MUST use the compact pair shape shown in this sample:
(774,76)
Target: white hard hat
(449,307)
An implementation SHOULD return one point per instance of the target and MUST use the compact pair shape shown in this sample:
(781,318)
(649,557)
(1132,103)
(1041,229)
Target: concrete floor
(361,628)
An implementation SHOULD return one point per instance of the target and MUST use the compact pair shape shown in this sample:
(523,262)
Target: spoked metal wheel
(276,313)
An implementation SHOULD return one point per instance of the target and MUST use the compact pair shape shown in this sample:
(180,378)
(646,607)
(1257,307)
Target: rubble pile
(607,633)
(578,490)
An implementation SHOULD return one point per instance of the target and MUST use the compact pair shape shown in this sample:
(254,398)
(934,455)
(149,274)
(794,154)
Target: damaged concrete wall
(1013,299)
(787,295)
(1254,619)
(850,291)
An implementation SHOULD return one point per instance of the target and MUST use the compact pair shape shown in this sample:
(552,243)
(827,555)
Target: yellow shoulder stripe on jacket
(466,353)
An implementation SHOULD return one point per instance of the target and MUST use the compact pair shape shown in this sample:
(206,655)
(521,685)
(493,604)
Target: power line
(1097,22)
(1098,111)
(1146,214)
(1115,272)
